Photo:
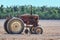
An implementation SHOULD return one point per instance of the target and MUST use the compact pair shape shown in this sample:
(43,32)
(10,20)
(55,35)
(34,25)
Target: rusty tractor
(16,25)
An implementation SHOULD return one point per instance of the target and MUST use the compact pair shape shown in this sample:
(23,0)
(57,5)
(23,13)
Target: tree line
(44,12)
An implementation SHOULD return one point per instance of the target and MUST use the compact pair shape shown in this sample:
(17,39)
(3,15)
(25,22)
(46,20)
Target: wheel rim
(15,26)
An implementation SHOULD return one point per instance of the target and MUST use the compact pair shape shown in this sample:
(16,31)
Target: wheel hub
(38,30)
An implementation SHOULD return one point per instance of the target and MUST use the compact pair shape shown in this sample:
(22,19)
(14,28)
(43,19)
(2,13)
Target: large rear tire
(14,26)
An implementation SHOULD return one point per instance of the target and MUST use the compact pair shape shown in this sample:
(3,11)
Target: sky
(30,2)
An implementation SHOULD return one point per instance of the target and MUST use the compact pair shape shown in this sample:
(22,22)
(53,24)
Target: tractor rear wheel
(14,26)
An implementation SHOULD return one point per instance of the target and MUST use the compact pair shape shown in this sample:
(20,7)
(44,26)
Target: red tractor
(16,25)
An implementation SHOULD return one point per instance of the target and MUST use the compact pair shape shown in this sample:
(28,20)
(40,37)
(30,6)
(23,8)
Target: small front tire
(32,30)
(38,30)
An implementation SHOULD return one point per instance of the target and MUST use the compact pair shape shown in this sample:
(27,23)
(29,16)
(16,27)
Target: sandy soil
(51,31)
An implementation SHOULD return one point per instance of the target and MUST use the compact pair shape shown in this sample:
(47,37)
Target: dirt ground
(51,31)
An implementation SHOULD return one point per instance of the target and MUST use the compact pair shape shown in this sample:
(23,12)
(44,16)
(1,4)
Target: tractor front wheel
(32,30)
(38,30)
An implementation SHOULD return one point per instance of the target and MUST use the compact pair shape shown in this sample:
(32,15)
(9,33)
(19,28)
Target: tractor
(16,25)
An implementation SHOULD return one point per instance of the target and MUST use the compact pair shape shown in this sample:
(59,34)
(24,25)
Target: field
(51,31)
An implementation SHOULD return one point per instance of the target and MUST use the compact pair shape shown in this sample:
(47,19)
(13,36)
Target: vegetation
(43,12)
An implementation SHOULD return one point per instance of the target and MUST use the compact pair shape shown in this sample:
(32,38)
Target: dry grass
(51,32)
